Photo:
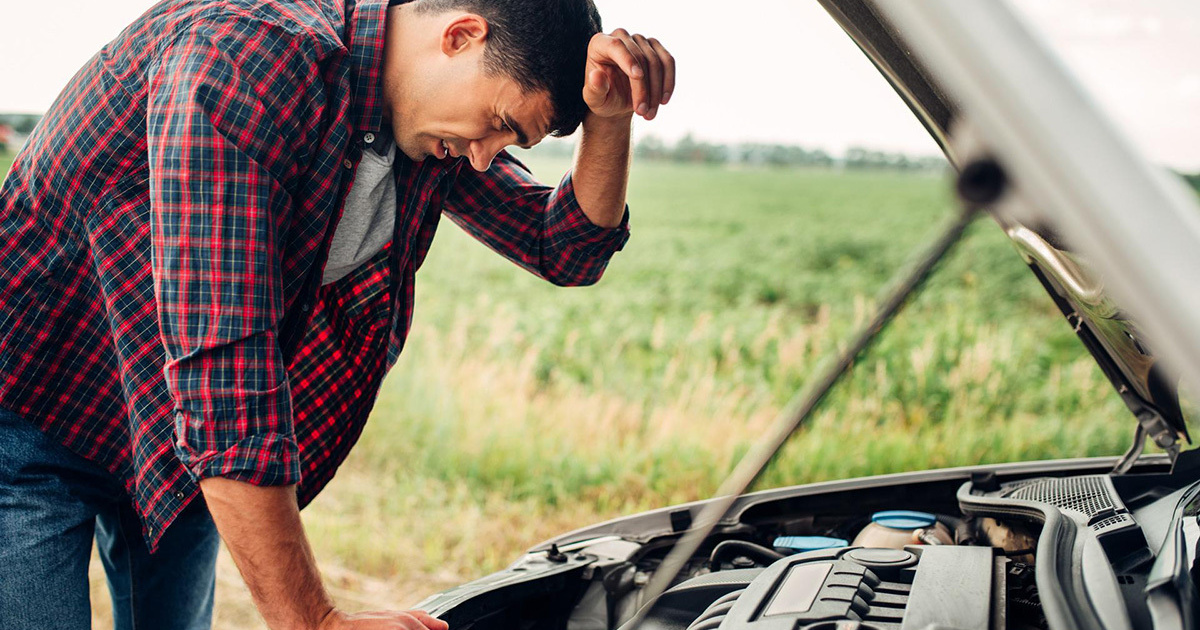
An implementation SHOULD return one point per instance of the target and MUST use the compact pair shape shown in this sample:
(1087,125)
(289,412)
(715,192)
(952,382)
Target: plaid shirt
(163,233)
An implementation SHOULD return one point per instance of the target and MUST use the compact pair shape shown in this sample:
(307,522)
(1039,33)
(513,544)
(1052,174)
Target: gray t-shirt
(370,213)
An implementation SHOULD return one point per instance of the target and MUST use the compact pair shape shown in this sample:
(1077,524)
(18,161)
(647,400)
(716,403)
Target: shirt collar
(383,143)
(367,21)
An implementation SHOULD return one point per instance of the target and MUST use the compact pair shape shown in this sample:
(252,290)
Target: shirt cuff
(571,225)
(250,443)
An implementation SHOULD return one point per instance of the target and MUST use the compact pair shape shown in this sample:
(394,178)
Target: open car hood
(1052,250)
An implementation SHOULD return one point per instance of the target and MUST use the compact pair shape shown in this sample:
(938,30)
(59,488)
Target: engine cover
(867,589)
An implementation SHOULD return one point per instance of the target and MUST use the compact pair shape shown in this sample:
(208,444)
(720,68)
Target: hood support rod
(978,183)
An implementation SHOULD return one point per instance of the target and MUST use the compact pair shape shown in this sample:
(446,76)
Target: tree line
(689,149)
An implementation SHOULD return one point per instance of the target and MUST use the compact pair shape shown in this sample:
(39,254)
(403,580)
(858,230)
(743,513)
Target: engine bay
(989,551)
(908,569)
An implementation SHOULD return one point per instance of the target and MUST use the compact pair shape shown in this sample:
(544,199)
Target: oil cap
(886,564)
(904,519)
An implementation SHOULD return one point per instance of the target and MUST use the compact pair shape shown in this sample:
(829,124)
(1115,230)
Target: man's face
(450,105)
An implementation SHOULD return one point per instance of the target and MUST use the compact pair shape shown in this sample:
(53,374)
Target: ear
(463,32)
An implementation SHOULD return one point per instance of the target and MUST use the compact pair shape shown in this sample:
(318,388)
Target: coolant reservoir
(896,528)
(802,544)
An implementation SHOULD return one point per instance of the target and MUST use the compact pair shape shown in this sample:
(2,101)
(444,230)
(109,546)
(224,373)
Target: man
(207,259)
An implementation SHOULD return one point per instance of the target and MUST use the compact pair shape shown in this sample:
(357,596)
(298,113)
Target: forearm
(601,171)
(262,529)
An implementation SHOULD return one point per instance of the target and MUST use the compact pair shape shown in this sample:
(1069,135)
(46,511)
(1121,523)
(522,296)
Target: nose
(481,152)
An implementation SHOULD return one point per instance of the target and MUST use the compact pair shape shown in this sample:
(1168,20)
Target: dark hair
(540,44)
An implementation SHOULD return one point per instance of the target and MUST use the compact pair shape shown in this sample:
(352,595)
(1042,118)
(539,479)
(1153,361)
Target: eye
(504,126)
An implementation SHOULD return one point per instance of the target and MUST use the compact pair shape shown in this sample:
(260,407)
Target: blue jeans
(52,504)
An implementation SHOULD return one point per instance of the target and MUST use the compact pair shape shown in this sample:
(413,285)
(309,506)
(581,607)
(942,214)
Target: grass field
(520,410)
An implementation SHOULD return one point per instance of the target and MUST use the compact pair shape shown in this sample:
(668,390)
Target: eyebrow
(522,137)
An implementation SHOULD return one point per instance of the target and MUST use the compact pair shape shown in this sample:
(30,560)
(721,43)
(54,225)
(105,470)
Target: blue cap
(800,544)
(903,519)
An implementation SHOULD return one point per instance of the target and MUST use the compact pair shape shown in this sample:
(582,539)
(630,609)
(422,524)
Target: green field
(520,409)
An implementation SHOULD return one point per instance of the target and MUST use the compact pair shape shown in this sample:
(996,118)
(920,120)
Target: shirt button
(179,495)
(348,164)
(304,307)
(369,138)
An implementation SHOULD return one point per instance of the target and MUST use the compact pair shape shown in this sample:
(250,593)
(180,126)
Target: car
(1079,543)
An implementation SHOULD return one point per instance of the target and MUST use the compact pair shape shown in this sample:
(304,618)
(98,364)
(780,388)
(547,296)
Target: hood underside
(1107,331)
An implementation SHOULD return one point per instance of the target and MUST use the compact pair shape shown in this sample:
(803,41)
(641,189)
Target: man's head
(480,75)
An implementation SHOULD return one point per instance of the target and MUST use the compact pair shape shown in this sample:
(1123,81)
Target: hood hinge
(1151,425)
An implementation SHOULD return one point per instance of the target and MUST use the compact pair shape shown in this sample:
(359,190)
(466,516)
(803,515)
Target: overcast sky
(763,70)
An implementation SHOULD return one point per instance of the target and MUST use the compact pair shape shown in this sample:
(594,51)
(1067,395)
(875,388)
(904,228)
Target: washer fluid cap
(800,544)
(903,519)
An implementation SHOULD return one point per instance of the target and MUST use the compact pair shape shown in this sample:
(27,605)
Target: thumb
(598,82)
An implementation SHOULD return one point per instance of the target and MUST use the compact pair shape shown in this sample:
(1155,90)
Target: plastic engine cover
(920,587)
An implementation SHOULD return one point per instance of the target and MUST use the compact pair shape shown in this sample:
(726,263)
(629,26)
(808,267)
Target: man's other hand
(627,74)
(261,527)
(383,620)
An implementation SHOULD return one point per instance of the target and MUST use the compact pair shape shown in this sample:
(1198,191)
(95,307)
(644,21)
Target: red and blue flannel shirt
(163,233)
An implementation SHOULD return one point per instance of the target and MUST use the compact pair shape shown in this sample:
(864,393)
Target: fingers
(386,620)
(668,69)
(630,59)
(656,82)
(431,622)
(628,71)
(654,73)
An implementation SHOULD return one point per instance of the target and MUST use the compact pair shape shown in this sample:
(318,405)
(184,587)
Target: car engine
(985,552)
(945,586)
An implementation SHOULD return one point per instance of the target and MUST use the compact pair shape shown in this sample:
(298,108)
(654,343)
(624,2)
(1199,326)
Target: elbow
(585,277)
(587,282)
(577,266)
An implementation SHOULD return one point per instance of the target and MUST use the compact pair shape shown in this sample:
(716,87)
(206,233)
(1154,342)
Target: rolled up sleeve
(541,228)
(219,144)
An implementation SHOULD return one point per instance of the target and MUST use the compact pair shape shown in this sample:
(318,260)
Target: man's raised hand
(627,74)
